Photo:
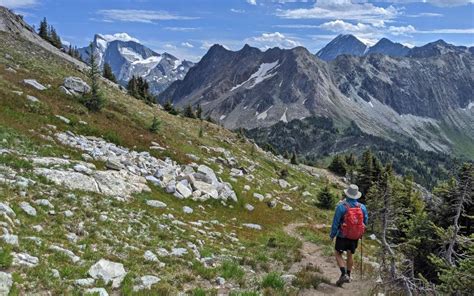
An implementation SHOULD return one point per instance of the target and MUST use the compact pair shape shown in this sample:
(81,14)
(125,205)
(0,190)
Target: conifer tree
(155,125)
(325,199)
(188,111)
(366,172)
(108,74)
(54,38)
(43,29)
(338,165)
(94,100)
(199,111)
(294,158)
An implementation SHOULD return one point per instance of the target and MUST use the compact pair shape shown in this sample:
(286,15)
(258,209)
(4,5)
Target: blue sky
(187,28)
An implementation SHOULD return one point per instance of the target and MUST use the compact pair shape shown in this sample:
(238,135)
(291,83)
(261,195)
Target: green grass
(231,270)
(5,257)
(273,280)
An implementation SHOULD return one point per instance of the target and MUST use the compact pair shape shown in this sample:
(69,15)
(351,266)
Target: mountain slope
(67,216)
(425,99)
(342,44)
(129,58)
(387,47)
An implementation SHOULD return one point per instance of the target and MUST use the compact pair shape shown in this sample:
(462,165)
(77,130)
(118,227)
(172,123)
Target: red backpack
(353,223)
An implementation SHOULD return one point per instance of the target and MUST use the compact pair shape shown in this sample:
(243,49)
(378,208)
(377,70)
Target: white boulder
(108,271)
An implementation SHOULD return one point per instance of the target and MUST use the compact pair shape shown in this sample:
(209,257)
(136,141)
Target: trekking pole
(361,260)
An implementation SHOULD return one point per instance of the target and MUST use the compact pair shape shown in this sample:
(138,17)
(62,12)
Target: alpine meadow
(236,148)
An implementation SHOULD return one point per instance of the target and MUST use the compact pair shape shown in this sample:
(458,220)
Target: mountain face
(342,44)
(436,48)
(425,99)
(129,58)
(387,47)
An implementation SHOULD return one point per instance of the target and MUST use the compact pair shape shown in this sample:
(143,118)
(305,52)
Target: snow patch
(264,114)
(371,105)
(470,106)
(262,74)
(283,117)
(150,60)
(222,117)
(130,55)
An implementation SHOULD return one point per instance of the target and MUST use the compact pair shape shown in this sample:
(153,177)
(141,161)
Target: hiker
(348,226)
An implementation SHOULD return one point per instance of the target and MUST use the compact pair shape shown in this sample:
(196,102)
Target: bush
(273,280)
(155,125)
(307,278)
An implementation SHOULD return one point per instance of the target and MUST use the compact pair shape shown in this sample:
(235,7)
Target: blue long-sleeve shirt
(339,215)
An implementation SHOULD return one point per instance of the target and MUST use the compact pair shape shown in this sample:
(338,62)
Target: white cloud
(425,14)
(269,40)
(119,36)
(170,46)
(252,2)
(237,10)
(18,3)
(139,16)
(187,44)
(345,27)
(448,31)
(439,3)
(342,9)
(181,29)
(402,30)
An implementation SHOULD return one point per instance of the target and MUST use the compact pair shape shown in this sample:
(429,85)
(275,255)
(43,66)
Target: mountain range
(127,58)
(425,95)
(351,45)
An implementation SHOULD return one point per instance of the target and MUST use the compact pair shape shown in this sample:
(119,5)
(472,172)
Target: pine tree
(54,38)
(286,155)
(188,111)
(43,29)
(201,132)
(366,172)
(338,166)
(199,112)
(325,199)
(294,159)
(108,74)
(155,125)
(94,100)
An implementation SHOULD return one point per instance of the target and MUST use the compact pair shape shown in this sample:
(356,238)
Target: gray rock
(108,271)
(76,85)
(66,252)
(44,202)
(249,207)
(6,283)
(156,204)
(87,282)
(34,83)
(10,239)
(68,213)
(286,207)
(258,196)
(80,168)
(283,183)
(183,190)
(27,208)
(145,282)
(95,291)
(178,252)
(220,281)
(206,188)
(271,204)
(252,226)
(187,210)
(113,165)
(32,99)
(208,172)
(5,209)
(63,119)
(24,259)
(153,180)
(150,256)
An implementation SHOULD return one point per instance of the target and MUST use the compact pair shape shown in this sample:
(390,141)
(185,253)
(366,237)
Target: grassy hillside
(240,255)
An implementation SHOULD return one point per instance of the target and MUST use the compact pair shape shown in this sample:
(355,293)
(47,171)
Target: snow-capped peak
(118,36)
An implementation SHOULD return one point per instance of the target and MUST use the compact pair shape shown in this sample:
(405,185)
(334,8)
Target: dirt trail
(312,253)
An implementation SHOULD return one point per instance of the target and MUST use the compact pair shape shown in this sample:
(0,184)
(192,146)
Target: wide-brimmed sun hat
(353,192)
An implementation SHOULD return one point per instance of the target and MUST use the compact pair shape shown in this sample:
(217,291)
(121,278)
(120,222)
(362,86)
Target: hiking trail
(313,254)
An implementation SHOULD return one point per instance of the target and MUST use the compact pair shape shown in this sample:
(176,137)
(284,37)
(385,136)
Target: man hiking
(348,226)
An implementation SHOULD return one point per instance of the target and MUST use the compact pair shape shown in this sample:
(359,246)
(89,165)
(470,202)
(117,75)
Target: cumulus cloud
(269,40)
(18,3)
(237,10)
(440,3)
(342,9)
(181,29)
(252,2)
(187,44)
(139,16)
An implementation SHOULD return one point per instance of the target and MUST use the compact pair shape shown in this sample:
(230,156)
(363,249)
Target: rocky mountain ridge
(426,99)
(127,58)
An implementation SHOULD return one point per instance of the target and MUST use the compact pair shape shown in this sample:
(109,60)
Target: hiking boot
(342,280)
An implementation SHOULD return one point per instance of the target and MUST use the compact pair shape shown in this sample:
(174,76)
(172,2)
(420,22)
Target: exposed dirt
(313,254)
